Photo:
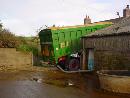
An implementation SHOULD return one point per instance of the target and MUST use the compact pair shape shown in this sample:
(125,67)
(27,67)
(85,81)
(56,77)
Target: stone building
(126,11)
(108,48)
(87,20)
(104,48)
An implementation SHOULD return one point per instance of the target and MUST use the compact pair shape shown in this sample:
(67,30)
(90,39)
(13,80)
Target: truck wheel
(74,65)
(62,64)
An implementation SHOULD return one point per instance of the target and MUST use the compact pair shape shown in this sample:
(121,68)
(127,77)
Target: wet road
(28,89)
(24,84)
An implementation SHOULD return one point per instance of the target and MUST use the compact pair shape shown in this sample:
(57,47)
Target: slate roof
(119,28)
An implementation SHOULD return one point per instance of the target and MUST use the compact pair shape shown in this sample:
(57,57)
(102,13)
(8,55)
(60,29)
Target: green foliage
(27,44)
(28,48)
(7,39)
(1,26)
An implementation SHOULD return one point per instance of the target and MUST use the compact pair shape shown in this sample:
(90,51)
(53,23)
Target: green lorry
(62,46)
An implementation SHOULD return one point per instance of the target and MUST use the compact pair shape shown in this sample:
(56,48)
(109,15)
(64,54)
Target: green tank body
(57,42)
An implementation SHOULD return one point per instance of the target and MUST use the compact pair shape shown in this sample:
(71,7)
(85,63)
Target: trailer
(62,45)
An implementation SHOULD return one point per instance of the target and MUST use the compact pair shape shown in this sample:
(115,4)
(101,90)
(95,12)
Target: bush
(7,39)
(28,48)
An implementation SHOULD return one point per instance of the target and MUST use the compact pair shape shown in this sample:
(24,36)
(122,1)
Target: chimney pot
(127,6)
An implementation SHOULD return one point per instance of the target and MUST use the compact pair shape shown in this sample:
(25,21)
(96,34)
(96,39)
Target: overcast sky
(24,17)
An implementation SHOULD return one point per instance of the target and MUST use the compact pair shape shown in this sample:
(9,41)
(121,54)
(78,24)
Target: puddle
(38,80)
(119,73)
(85,83)
(58,83)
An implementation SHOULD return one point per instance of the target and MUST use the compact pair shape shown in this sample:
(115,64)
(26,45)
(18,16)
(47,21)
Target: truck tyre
(62,64)
(73,64)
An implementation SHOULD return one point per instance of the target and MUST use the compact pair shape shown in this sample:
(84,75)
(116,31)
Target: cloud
(17,26)
(24,17)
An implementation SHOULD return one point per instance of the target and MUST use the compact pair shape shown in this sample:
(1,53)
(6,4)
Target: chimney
(87,20)
(126,11)
(127,7)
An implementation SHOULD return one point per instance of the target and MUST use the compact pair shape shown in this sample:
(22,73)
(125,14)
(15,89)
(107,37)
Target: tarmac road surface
(53,84)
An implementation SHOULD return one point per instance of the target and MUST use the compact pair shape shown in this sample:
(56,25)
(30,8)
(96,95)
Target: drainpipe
(91,59)
(83,66)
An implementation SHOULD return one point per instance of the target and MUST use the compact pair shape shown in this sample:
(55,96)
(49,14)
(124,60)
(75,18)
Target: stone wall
(12,59)
(112,60)
(117,43)
(114,83)
(110,52)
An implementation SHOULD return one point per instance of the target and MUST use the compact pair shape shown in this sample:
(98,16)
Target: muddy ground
(41,82)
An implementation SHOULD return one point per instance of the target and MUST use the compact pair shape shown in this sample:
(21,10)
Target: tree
(1,26)
(7,39)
